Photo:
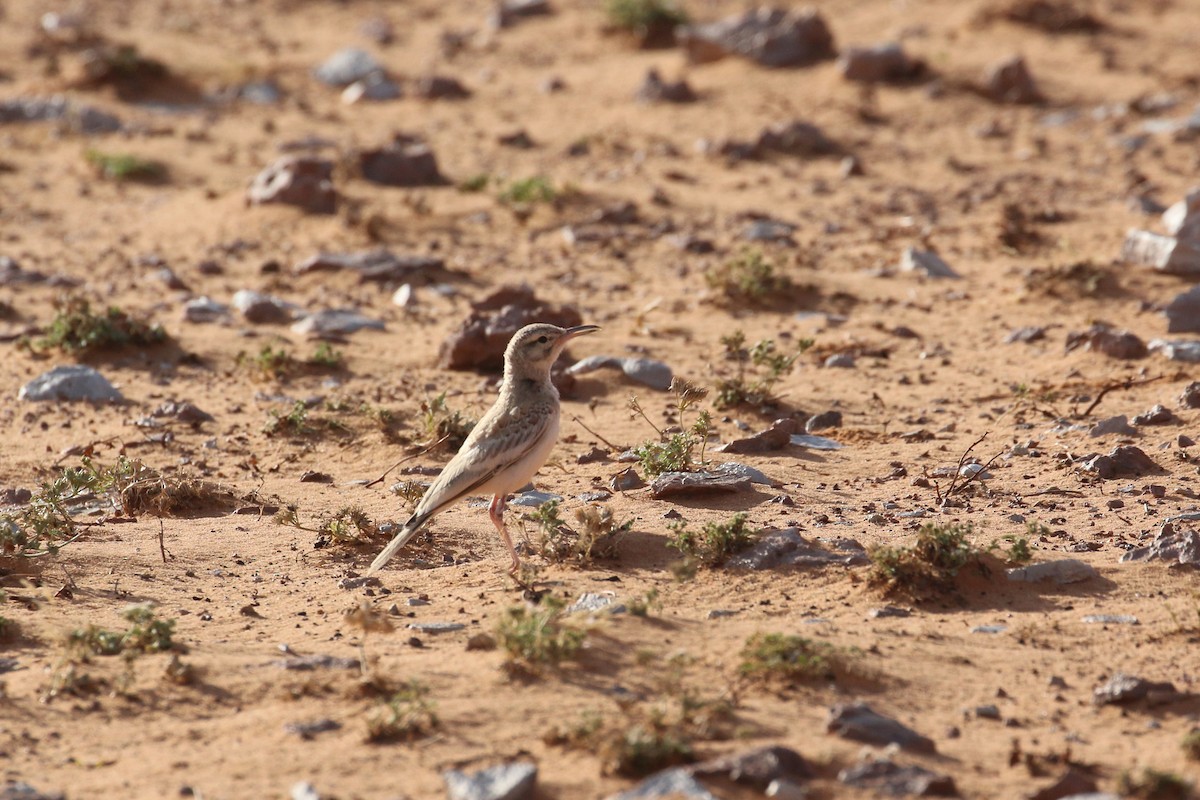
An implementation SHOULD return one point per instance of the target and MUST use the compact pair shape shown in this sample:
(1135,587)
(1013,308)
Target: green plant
(528,191)
(643,605)
(475,183)
(325,357)
(1191,745)
(749,279)
(644,17)
(537,637)
(713,543)
(759,369)
(1018,551)
(292,423)
(269,364)
(406,715)
(675,452)
(440,422)
(777,657)
(77,329)
(596,535)
(348,525)
(1154,784)
(931,563)
(146,634)
(126,166)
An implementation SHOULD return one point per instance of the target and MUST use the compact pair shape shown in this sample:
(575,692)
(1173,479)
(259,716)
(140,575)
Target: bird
(510,442)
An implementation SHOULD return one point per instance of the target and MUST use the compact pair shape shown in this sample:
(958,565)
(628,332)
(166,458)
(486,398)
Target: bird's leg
(496,512)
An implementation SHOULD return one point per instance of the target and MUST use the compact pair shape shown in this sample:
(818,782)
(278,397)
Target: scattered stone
(1104,339)
(757,768)
(376,87)
(404,162)
(886,777)
(769,230)
(796,138)
(302,790)
(357,582)
(787,548)
(381,265)
(1172,545)
(1190,397)
(518,139)
(989,711)
(307,663)
(861,723)
(1009,81)
(888,611)
(514,781)
(736,470)
(182,412)
(926,262)
(671,484)
(1028,334)
(534,498)
(73,116)
(479,343)
(441,87)
(11,496)
(1187,351)
(646,371)
(1158,415)
(776,437)
(655,90)
(823,421)
(1073,782)
(204,309)
(263,309)
(670,784)
(1062,572)
(296,180)
(507,13)
(591,602)
(436,627)
(879,63)
(1161,253)
(1113,425)
(307,730)
(71,382)
(481,641)
(19,790)
(815,442)
(989,629)
(626,481)
(1183,312)
(347,66)
(11,273)
(1126,460)
(1121,689)
(334,323)
(1110,619)
(771,37)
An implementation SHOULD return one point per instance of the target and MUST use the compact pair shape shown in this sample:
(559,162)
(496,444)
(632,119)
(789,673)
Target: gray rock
(1173,545)
(74,116)
(769,230)
(626,481)
(314,662)
(441,87)
(815,442)
(1121,689)
(888,611)
(823,421)
(335,322)
(70,382)
(376,87)
(19,790)
(1161,253)
(1126,460)
(1113,343)
(1183,312)
(878,63)
(182,412)
(885,777)
(514,781)
(436,627)
(591,602)
(771,37)
(296,180)
(264,309)
(925,262)
(671,484)
(840,361)
(507,13)
(1110,619)
(757,768)
(204,309)
(776,437)
(646,371)
(989,711)
(1063,571)
(404,162)
(1113,425)
(307,730)
(1186,351)
(303,790)
(1028,334)
(670,784)
(374,265)
(534,498)
(1009,81)
(1190,396)
(347,66)
(860,723)
(1072,783)
(1157,415)
(260,93)
(1182,219)
(787,548)
(796,138)
(989,629)
(655,90)
(736,470)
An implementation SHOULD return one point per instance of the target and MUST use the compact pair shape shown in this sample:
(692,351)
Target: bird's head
(533,349)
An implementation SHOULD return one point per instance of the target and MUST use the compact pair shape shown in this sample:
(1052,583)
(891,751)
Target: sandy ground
(940,166)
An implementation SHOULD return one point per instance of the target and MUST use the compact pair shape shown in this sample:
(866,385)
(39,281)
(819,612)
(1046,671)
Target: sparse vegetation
(147,633)
(1154,784)
(439,421)
(1018,551)
(759,369)
(126,166)
(596,535)
(529,191)
(405,716)
(292,423)
(269,364)
(645,604)
(714,542)
(1191,745)
(749,279)
(931,564)
(782,658)
(537,638)
(652,21)
(77,329)
(475,183)
(349,525)
(326,357)
(676,451)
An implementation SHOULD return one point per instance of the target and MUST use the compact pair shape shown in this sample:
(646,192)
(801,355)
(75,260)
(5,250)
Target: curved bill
(579,330)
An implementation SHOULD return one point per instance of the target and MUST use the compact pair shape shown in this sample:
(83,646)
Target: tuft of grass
(536,638)
(642,606)
(675,452)
(596,536)
(750,279)
(652,21)
(528,191)
(475,183)
(1154,784)
(326,357)
(405,716)
(126,166)
(146,634)
(77,329)
(714,543)
(931,564)
(269,364)
(349,525)
(1191,745)
(759,369)
(782,658)
(438,420)
(1018,551)
(292,423)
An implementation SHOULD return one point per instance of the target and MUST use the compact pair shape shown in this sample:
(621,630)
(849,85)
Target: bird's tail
(407,532)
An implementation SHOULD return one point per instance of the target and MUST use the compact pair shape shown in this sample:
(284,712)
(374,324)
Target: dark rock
(479,343)
(646,371)
(626,480)
(347,66)
(1009,81)
(769,230)
(19,790)
(1051,16)
(506,13)
(404,162)
(518,139)
(879,63)
(1112,343)
(823,421)
(671,484)
(1168,254)
(13,497)
(925,262)
(71,382)
(73,116)
(676,784)
(1170,545)
(1158,415)
(796,138)
(655,90)
(1190,397)
(11,274)
(771,37)
(888,611)
(1113,425)
(1072,782)
(313,662)
(262,309)
(990,711)
(1183,312)
(377,87)
(375,265)
(297,180)
(441,87)
(594,456)
(1126,460)
(888,778)
(513,781)
(183,412)
(1031,333)
(859,722)
(307,730)
(757,768)
(310,476)
(787,548)
(776,437)
(1122,689)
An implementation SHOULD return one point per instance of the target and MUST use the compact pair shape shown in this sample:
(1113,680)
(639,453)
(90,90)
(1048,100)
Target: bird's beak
(578,330)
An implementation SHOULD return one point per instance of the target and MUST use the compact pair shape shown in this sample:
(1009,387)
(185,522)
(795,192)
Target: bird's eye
(542,340)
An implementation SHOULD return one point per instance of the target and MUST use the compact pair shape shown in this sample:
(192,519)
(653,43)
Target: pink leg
(496,512)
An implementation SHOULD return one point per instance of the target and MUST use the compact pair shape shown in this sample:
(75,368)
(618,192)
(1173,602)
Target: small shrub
(675,452)
(642,606)
(1191,745)
(405,716)
(349,525)
(269,364)
(528,191)
(126,166)
(652,21)
(931,563)
(1018,551)
(77,329)
(326,357)
(776,657)
(537,638)
(1154,784)
(146,634)
(714,543)
(292,423)
(749,279)
(438,421)
(759,369)
(475,183)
